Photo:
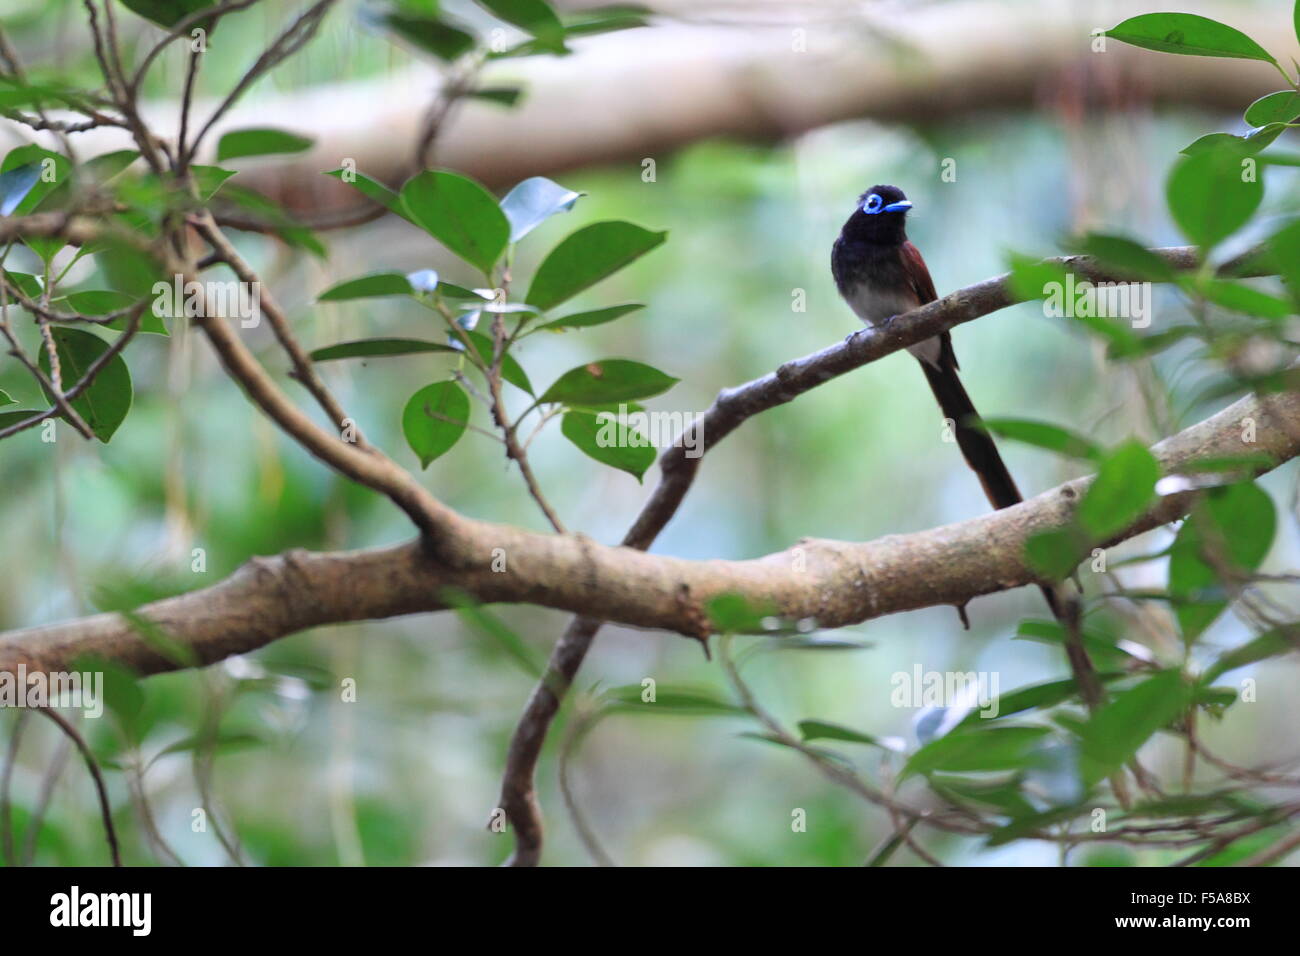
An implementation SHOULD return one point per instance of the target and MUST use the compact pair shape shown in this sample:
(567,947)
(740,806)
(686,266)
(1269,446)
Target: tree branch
(840,583)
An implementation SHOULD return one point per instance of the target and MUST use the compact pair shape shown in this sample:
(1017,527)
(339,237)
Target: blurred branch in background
(764,72)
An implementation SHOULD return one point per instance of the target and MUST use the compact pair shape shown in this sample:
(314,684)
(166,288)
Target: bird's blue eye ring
(873,204)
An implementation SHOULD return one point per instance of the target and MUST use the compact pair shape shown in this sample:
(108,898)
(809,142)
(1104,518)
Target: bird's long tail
(981,454)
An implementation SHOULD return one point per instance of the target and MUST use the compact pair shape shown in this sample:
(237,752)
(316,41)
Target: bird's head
(880,216)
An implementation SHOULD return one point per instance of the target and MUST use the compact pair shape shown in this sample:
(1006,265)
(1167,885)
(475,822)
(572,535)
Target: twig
(58,763)
(178,30)
(303,369)
(6,790)
(187,97)
(110,832)
(284,46)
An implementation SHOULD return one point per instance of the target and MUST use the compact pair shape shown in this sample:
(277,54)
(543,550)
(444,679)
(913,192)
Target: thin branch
(187,97)
(6,790)
(284,46)
(105,809)
(178,30)
(53,772)
(303,369)
(514,451)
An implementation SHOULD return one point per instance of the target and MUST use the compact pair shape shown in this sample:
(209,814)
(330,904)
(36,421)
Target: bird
(881,275)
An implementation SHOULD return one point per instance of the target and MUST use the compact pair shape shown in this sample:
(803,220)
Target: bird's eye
(873,204)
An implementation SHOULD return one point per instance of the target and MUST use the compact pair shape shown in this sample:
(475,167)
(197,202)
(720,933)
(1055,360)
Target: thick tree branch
(840,583)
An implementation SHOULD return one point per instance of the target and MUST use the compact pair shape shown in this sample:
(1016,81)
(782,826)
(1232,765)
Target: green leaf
(26,283)
(432,34)
(16,416)
(607,381)
(97,302)
(434,419)
(821,730)
(375,348)
(53,170)
(735,614)
(368,287)
(488,624)
(671,700)
(1284,253)
(534,201)
(1274,643)
(533,16)
(4,398)
(1280,107)
(1100,646)
(1005,796)
(1209,197)
(585,320)
(1146,345)
(106,166)
(1232,526)
(1240,146)
(208,179)
(1121,341)
(1127,258)
(1037,822)
(1239,297)
(166,13)
(1035,696)
(372,189)
(1043,435)
(511,370)
(1054,554)
(609,441)
(1124,487)
(976,751)
(105,403)
(587,256)
(1117,731)
(606,19)
(15,184)
(1256,461)
(260,141)
(220,743)
(460,214)
(129,269)
(1031,278)
(504,95)
(1189,34)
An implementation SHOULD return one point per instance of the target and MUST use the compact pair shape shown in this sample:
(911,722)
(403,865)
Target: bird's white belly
(875,306)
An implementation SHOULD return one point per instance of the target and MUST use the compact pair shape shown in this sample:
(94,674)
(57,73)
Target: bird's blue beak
(901,206)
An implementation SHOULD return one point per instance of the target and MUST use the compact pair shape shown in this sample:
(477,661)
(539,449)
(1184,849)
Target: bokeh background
(409,773)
